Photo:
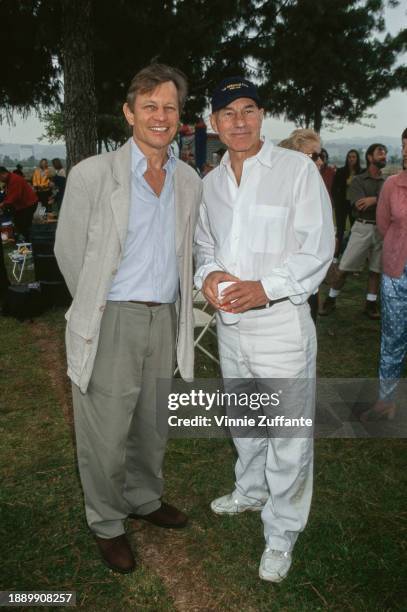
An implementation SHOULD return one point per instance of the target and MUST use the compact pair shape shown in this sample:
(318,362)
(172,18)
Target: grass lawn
(350,557)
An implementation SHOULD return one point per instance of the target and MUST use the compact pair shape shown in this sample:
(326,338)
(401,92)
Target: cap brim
(232,98)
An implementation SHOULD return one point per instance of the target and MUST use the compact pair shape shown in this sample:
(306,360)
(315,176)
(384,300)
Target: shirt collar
(264,155)
(139,160)
(366,175)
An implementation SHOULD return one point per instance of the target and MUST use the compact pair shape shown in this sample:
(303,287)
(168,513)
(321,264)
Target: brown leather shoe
(116,554)
(372,310)
(165,516)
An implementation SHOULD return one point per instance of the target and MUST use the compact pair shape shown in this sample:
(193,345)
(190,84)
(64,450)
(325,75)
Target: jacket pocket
(78,345)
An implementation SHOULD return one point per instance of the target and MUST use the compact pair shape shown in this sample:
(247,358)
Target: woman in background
(41,182)
(327,172)
(340,196)
(391,218)
(59,180)
(305,141)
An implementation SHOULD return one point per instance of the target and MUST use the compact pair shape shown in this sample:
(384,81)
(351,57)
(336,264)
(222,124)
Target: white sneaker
(230,504)
(274,565)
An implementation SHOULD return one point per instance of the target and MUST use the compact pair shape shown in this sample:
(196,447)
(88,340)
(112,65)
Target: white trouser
(278,342)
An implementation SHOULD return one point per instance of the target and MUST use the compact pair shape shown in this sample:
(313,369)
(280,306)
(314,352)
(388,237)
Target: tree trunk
(80,107)
(317,120)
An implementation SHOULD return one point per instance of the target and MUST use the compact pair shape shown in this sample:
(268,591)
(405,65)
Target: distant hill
(336,147)
(24,151)
(393,141)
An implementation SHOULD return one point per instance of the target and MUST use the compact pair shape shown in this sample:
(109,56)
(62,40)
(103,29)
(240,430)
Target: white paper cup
(228,318)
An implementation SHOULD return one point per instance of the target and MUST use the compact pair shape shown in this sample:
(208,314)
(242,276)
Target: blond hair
(298,138)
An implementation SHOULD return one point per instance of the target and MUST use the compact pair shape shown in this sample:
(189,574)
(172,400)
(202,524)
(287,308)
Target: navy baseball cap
(231,89)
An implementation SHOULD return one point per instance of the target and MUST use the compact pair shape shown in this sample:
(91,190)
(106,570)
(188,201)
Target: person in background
(365,242)
(206,168)
(341,196)
(327,172)
(41,182)
(305,141)
(59,180)
(391,220)
(18,170)
(21,198)
(188,157)
(308,142)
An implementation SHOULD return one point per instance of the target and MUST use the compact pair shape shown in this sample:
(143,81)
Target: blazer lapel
(120,197)
(183,197)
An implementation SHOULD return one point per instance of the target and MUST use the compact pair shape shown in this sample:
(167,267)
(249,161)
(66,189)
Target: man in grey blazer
(124,246)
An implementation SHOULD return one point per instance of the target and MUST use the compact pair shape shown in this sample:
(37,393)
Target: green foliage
(112,129)
(8,161)
(41,505)
(29,75)
(189,34)
(325,61)
(30,162)
(317,62)
(54,125)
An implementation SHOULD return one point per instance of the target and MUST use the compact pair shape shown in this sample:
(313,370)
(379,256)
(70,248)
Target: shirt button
(89,341)
(101,308)
(114,272)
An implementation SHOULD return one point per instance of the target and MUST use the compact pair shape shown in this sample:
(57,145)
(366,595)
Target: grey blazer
(90,240)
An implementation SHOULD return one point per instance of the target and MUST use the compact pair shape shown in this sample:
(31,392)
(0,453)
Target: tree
(112,129)
(29,75)
(194,35)
(317,62)
(54,125)
(30,162)
(8,162)
(100,47)
(80,108)
(324,63)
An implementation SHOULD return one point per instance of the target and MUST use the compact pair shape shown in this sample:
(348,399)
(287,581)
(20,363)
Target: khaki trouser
(120,452)
(364,242)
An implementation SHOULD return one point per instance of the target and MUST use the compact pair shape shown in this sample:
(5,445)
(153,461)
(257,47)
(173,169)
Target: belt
(367,221)
(149,304)
(270,303)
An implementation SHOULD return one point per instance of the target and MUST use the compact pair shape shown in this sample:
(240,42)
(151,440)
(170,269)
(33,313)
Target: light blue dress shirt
(148,270)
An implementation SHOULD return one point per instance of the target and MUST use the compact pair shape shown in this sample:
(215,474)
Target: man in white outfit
(265,224)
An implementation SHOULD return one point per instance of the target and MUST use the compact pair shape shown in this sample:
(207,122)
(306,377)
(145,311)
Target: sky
(391,112)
